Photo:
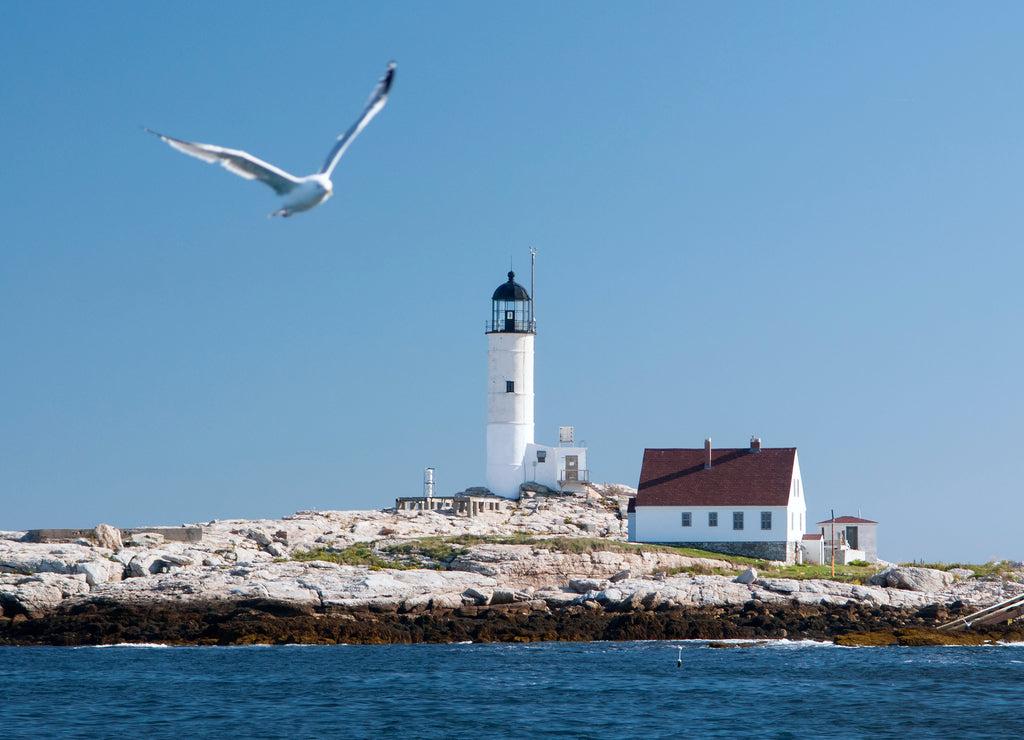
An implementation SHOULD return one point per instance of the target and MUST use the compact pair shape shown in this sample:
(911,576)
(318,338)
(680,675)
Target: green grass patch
(436,549)
(360,553)
(857,572)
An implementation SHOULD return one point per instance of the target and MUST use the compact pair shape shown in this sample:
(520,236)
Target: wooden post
(833,548)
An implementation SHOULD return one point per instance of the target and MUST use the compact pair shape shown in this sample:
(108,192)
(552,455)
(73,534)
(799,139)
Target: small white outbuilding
(851,537)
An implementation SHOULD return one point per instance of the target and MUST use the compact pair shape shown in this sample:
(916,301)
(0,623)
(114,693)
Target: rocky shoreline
(247,582)
(274,622)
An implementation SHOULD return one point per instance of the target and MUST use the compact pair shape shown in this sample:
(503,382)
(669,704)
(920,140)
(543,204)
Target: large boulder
(911,578)
(148,563)
(107,536)
(747,577)
(100,571)
(33,595)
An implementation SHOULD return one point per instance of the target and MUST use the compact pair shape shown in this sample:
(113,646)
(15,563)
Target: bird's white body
(299,193)
(308,193)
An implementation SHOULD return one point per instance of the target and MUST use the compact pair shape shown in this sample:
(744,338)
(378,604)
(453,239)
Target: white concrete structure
(558,468)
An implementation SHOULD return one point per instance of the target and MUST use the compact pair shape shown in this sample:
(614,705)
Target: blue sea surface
(543,690)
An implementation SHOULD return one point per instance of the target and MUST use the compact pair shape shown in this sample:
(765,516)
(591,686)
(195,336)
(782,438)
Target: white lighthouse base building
(558,468)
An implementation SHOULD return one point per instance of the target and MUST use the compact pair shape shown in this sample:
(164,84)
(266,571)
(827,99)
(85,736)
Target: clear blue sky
(796,220)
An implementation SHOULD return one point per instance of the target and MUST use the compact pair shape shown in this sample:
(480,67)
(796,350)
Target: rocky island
(547,567)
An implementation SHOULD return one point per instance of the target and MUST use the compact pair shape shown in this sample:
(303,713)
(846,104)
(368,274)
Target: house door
(851,537)
(572,467)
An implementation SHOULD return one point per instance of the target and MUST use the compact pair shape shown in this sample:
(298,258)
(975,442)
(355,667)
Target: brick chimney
(755,444)
(707,453)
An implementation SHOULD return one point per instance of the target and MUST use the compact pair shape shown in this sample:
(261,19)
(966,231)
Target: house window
(542,456)
(766,520)
(737,520)
(712,518)
(510,386)
(687,519)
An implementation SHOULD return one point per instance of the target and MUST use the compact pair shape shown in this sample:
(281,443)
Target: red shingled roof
(737,477)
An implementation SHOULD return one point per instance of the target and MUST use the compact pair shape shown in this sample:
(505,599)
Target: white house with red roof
(747,501)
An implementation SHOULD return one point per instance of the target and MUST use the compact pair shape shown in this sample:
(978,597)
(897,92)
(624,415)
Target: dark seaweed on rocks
(276,622)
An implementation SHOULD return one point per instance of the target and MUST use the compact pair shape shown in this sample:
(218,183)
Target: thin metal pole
(533,293)
(833,543)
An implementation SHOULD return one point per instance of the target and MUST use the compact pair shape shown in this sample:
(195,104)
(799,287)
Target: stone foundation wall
(781,551)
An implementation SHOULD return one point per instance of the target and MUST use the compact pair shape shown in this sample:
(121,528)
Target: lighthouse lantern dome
(511,309)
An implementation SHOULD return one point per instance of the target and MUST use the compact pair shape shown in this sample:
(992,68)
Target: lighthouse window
(510,386)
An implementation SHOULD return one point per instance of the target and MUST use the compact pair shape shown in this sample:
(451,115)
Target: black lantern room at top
(511,309)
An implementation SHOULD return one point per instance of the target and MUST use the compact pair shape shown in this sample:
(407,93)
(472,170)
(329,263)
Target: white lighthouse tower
(510,335)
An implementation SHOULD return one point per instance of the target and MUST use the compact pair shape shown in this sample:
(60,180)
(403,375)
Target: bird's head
(325,183)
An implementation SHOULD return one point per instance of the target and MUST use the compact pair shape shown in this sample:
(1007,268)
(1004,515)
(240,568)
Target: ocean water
(545,690)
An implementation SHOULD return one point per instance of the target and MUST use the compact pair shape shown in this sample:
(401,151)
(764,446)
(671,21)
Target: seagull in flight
(299,193)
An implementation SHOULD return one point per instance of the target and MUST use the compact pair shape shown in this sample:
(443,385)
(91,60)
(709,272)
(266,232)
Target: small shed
(812,548)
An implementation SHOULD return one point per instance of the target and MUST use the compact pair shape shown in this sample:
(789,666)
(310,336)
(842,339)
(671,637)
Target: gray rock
(747,577)
(477,596)
(107,536)
(276,549)
(583,585)
(555,598)
(183,561)
(913,579)
(146,539)
(446,601)
(502,596)
(652,600)
(34,594)
(100,571)
(147,564)
(260,538)
(620,576)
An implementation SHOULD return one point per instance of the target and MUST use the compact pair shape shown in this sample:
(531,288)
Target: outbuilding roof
(737,477)
(848,520)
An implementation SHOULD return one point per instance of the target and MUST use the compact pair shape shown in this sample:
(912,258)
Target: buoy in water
(679,660)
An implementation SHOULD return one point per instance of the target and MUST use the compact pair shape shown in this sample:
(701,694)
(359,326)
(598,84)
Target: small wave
(136,645)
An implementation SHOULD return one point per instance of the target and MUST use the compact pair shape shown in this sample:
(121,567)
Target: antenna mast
(533,294)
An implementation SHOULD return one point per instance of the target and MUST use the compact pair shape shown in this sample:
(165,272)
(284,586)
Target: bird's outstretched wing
(378,98)
(239,162)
